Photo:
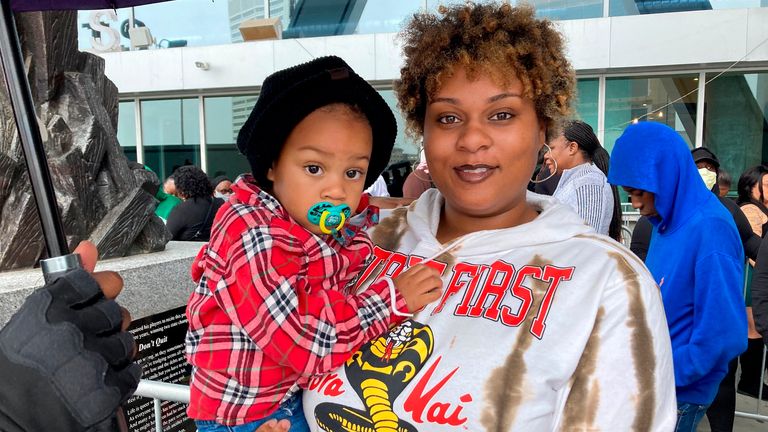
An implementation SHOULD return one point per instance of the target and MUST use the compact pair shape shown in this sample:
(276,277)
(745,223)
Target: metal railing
(629,217)
(756,415)
(159,392)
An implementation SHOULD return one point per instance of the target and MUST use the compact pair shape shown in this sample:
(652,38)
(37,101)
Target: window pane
(126,128)
(736,121)
(634,7)
(386,16)
(170,134)
(224,116)
(432,5)
(405,154)
(568,9)
(586,104)
(650,99)
(406,149)
(552,9)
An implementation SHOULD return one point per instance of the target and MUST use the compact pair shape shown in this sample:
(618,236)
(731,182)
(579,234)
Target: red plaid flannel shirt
(271,309)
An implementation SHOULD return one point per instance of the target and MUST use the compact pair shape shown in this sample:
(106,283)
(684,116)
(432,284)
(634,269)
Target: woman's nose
(474,138)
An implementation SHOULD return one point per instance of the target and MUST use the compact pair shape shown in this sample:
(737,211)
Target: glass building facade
(224,116)
(203,130)
(669,99)
(729,113)
(736,120)
(170,133)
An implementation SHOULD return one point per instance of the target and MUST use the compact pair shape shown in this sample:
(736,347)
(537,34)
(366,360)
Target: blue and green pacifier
(328,217)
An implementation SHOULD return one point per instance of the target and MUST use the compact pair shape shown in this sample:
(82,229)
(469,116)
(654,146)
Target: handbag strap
(199,231)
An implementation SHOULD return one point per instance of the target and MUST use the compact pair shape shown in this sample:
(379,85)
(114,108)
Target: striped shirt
(273,308)
(586,190)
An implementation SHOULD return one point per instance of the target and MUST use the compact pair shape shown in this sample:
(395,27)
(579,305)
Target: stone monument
(101,197)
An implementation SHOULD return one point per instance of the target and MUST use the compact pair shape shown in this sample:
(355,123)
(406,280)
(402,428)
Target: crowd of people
(480,305)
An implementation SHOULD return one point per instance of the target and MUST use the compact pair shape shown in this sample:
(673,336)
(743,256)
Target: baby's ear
(271,174)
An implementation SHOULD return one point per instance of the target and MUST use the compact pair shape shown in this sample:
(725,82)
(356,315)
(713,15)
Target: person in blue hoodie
(695,256)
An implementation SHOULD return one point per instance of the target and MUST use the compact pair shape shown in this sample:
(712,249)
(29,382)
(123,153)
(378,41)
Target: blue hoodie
(695,256)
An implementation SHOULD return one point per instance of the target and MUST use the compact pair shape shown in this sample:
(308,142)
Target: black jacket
(760,292)
(192,219)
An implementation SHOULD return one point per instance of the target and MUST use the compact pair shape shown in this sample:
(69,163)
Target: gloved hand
(66,359)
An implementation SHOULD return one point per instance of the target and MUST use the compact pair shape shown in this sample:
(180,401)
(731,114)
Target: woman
(418,181)
(222,187)
(543,324)
(167,199)
(582,162)
(192,219)
(752,190)
(753,197)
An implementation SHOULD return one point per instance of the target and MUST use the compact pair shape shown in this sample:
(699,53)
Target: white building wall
(672,41)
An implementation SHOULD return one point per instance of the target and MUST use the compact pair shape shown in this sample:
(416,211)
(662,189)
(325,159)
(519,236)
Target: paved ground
(748,405)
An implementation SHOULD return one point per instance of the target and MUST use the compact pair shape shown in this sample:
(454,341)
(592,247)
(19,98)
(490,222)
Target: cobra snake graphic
(378,373)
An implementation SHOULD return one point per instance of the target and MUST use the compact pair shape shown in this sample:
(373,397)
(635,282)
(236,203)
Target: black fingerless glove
(65,364)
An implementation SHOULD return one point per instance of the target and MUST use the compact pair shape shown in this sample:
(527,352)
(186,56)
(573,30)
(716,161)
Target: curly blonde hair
(498,39)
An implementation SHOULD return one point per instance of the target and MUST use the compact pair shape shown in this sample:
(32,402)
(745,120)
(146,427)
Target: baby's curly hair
(493,38)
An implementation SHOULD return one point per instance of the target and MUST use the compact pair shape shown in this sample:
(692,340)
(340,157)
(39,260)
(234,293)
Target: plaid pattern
(272,308)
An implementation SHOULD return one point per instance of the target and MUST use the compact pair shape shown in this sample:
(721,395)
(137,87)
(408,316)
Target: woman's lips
(474,173)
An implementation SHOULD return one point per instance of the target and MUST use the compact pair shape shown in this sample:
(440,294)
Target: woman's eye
(354,174)
(502,116)
(313,169)
(448,119)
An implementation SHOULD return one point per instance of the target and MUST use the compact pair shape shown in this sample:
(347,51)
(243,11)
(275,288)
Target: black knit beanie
(289,95)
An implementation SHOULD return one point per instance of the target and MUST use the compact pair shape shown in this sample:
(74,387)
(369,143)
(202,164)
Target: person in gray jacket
(582,162)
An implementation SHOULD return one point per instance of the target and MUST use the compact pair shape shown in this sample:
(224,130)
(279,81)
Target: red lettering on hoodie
(554,275)
(379,256)
(466,277)
(421,399)
(491,288)
(437,265)
(522,292)
(456,285)
(395,265)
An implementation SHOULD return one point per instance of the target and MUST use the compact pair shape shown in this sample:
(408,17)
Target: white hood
(546,326)
(556,222)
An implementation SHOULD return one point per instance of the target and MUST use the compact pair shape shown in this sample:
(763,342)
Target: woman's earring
(552,174)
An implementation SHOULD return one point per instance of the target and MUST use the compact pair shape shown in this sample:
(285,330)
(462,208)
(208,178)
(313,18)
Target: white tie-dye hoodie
(544,326)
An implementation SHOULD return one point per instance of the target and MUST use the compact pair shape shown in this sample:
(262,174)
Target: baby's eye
(313,169)
(354,174)
(502,116)
(448,119)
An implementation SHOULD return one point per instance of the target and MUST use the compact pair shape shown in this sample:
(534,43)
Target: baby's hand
(419,285)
